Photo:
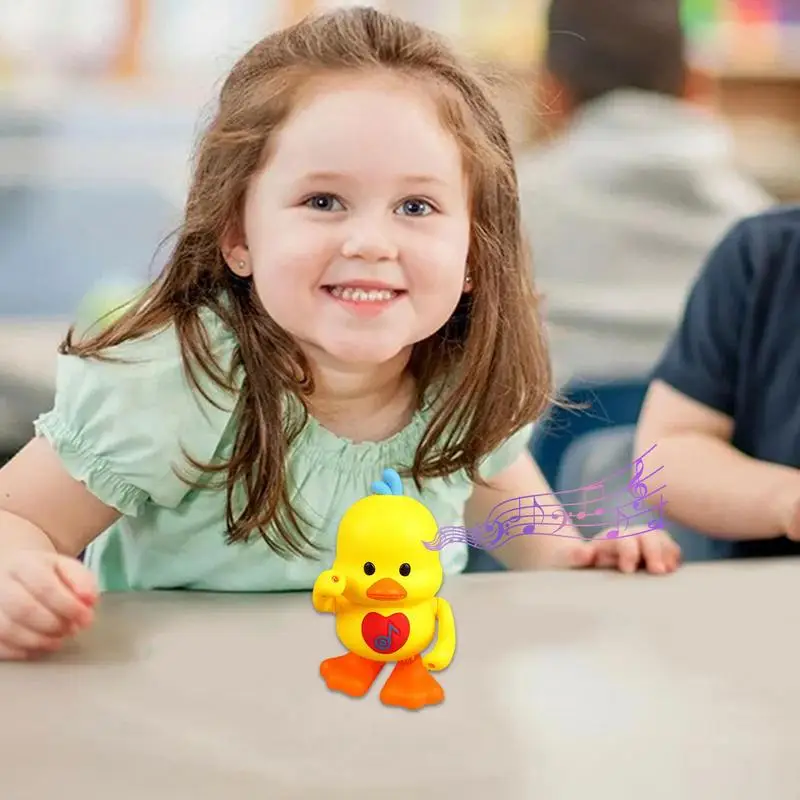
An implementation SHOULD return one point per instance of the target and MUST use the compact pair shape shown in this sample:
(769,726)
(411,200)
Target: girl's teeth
(363,295)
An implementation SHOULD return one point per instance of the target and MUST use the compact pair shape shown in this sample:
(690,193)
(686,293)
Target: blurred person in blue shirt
(723,403)
(639,177)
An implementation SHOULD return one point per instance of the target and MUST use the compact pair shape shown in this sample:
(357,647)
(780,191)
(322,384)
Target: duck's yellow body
(382,589)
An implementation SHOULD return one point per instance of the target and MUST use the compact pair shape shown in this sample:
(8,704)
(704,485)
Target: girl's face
(357,230)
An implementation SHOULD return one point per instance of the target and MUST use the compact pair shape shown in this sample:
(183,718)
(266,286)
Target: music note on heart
(383,643)
(383,634)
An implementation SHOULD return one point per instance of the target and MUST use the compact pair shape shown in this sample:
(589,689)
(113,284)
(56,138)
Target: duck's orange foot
(350,674)
(411,686)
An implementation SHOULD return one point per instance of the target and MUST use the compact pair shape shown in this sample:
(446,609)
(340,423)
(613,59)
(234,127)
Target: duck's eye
(405,570)
(369,568)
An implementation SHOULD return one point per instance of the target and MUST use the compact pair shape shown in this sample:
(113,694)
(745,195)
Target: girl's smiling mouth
(365,297)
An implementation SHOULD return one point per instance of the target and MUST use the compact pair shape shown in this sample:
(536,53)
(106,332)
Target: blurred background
(100,102)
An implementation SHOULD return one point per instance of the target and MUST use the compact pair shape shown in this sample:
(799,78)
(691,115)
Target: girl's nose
(368,242)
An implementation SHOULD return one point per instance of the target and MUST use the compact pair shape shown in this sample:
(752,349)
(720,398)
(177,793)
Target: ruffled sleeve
(508,452)
(124,429)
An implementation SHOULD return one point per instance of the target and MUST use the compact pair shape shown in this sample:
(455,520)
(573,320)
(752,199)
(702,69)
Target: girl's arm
(523,479)
(43,508)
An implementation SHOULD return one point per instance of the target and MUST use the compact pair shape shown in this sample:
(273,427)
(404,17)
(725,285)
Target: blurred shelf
(49,95)
(751,75)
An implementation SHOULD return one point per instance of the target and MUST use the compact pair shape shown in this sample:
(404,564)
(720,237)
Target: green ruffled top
(121,428)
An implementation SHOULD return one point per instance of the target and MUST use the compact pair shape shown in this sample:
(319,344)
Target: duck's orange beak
(386,589)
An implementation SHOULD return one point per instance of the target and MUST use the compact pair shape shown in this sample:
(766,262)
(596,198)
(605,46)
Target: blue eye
(416,208)
(323,202)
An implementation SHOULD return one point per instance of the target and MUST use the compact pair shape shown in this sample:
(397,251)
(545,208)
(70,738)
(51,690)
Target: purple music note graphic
(657,523)
(488,535)
(638,486)
(614,532)
(564,513)
(598,489)
(518,510)
(382,643)
(450,535)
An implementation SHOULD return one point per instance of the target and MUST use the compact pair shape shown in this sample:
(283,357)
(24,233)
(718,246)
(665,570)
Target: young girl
(349,292)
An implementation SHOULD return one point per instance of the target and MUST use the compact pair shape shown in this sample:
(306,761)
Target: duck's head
(380,548)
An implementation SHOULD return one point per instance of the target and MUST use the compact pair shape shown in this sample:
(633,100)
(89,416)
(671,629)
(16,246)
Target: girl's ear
(237,256)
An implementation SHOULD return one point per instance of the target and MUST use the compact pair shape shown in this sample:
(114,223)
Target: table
(572,685)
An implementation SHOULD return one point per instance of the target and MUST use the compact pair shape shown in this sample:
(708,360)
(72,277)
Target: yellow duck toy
(382,590)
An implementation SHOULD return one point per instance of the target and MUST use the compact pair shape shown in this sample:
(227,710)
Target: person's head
(354,202)
(595,48)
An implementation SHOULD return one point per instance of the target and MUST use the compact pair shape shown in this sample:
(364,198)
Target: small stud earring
(240,266)
(468,280)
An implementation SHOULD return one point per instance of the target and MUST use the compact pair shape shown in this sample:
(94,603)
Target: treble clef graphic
(383,643)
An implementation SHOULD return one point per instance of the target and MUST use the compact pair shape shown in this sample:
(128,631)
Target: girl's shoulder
(160,350)
(150,366)
(124,422)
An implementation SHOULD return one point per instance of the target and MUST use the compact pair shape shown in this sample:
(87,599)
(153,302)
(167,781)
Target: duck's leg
(350,674)
(411,686)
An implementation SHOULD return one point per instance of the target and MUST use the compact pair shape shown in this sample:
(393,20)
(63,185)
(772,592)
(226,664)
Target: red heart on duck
(385,635)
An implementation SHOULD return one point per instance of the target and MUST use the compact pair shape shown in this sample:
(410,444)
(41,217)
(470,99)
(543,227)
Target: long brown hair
(491,356)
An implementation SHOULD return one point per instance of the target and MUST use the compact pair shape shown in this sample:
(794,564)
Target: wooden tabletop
(564,686)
